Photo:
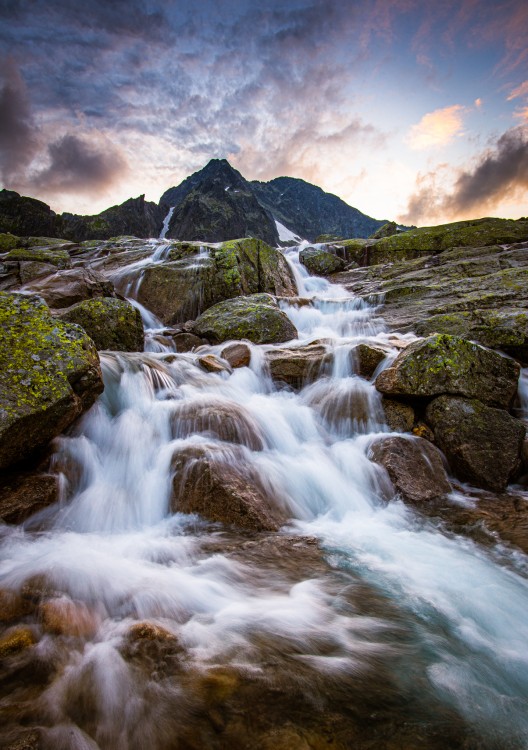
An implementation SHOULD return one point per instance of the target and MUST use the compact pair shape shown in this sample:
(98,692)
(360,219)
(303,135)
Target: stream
(359,624)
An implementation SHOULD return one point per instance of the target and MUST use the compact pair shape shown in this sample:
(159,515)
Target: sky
(412,110)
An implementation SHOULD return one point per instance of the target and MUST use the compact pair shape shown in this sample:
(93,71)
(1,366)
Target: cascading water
(397,625)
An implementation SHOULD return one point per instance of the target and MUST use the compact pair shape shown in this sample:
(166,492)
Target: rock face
(309,212)
(50,374)
(444,364)
(217,204)
(319,262)
(482,444)
(135,216)
(215,483)
(69,287)
(479,293)
(256,318)
(21,215)
(414,466)
(190,282)
(296,367)
(54,256)
(398,416)
(112,324)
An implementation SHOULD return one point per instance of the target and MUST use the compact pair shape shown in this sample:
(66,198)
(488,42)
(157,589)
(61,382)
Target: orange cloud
(521,114)
(521,90)
(437,128)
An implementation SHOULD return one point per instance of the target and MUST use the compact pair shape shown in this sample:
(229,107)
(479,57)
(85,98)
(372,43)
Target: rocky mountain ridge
(214,204)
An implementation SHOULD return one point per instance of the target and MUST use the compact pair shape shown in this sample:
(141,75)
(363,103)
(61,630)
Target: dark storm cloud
(18,139)
(77,165)
(500,173)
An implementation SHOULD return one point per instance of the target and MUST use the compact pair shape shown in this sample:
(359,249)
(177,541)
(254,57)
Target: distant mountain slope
(135,216)
(308,211)
(217,204)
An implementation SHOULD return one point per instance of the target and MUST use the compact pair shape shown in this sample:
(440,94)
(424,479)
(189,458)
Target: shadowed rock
(483,445)
(112,324)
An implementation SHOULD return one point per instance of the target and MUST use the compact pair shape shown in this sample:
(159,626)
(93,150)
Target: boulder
(25,493)
(299,366)
(66,288)
(218,485)
(256,318)
(483,445)
(186,342)
(62,616)
(197,276)
(414,465)
(238,355)
(398,416)
(443,364)
(112,324)
(217,418)
(320,262)
(366,358)
(212,363)
(49,375)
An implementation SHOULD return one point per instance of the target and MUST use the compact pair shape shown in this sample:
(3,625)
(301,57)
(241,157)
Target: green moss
(54,256)
(8,242)
(112,324)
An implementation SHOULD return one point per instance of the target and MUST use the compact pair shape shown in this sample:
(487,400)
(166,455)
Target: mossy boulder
(320,262)
(197,276)
(443,364)
(55,256)
(112,324)
(256,318)
(8,242)
(49,375)
(437,239)
(483,445)
(298,366)
(387,230)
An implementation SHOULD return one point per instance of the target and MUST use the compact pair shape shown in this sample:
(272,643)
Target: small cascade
(166,222)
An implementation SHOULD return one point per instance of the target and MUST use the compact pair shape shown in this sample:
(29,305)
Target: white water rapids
(451,617)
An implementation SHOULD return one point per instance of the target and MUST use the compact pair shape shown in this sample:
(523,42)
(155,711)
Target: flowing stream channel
(358,616)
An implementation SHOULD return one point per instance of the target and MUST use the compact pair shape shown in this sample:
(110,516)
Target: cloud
(80,165)
(498,175)
(437,128)
(519,91)
(18,134)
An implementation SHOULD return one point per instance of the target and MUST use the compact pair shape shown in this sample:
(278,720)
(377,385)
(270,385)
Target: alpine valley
(264,475)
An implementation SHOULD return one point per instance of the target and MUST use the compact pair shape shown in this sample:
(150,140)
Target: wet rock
(69,287)
(112,324)
(13,606)
(193,281)
(256,318)
(16,640)
(218,485)
(186,342)
(23,494)
(238,355)
(366,358)
(49,375)
(219,418)
(414,466)
(320,262)
(398,416)
(211,363)
(62,616)
(443,364)
(483,445)
(29,271)
(298,366)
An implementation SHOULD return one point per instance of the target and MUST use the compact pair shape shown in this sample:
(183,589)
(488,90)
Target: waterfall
(166,222)
(357,606)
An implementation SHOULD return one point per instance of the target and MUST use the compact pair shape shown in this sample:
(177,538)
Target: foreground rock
(217,484)
(256,318)
(49,375)
(483,445)
(414,466)
(112,324)
(196,276)
(299,366)
(320,262)
(448,364)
